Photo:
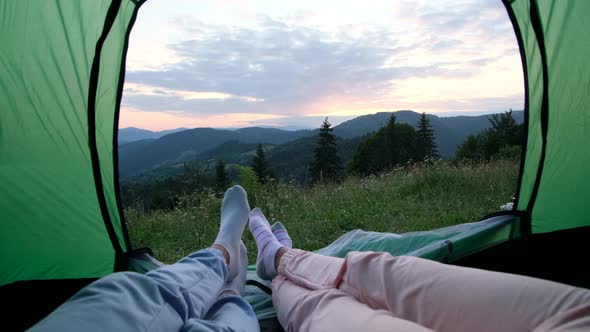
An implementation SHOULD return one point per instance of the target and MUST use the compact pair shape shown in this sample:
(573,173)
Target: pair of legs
(201,292)
(364,291)
(369,291)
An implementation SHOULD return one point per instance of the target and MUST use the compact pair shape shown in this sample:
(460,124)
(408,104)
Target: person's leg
(168,297)
(162,299)
(439,296)
(319,307)
(330,309)
(431,294)
(267,244)
(234,216)
(452,298)
(229,313)
(280,232)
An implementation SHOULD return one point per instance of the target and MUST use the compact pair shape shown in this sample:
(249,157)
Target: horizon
(258,63)
(294,128)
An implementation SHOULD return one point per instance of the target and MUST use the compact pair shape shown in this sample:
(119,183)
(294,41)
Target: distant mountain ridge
(449,131)
(291,149)
(132,134)
(187,144)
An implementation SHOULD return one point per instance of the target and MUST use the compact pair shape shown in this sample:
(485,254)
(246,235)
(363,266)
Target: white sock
(238,284)
(280,232)
(234,216)
(267,244)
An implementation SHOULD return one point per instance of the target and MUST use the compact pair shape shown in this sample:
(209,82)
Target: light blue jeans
(185,296)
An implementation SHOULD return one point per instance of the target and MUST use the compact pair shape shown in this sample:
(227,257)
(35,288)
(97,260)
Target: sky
(232,63)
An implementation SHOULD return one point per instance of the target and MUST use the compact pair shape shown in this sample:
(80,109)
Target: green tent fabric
(62,65)
(62,73)
(555,182)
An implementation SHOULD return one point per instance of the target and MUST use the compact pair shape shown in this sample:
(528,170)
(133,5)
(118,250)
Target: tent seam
(522,51)
(120,86)
(111,15)
(538,29)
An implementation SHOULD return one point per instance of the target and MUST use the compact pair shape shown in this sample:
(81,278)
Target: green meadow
(413,198)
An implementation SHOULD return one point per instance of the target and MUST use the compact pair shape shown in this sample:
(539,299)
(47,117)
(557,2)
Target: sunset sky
(231,63)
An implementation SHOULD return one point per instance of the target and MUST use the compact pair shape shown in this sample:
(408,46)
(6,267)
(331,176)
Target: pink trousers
(370,291)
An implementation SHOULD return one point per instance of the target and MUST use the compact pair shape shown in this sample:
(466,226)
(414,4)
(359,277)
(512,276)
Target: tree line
(503,140)
(392,145)
(398,144)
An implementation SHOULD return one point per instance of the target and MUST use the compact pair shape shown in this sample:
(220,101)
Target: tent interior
(62,224)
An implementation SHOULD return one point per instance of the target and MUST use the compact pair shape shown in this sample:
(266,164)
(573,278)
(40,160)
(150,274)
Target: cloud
(159,91)
(446,44)
(280,65)
(173,119)
(289,67)
(485,104)
(300,122)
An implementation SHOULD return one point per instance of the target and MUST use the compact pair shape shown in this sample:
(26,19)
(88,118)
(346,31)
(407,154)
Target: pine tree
(505,129)
(391,148)
(260,165)
(326,164)
(221,180)
(425,145)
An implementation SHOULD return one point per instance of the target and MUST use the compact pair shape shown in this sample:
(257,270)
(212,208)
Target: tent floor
(24,303)
(560,256)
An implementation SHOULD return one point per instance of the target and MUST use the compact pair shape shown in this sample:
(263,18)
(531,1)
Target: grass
(408,199)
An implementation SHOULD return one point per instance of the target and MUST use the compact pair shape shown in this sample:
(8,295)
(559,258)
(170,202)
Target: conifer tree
(425,145)
(221,179)
(505,134)
(260,165)
(390,146)
(326,164)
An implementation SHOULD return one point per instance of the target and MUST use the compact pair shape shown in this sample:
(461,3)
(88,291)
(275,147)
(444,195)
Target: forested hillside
(152,155)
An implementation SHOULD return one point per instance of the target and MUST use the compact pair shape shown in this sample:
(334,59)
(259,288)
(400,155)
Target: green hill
(132,134)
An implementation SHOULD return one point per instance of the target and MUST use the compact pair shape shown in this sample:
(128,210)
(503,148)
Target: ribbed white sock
(267,244)
(280,232)
(234,216)
(238,284)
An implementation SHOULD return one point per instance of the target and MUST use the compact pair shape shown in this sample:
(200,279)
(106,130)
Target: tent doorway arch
(62,79)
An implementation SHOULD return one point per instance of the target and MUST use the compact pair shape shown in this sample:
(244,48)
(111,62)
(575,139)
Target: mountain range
(131,134)
(289,152)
